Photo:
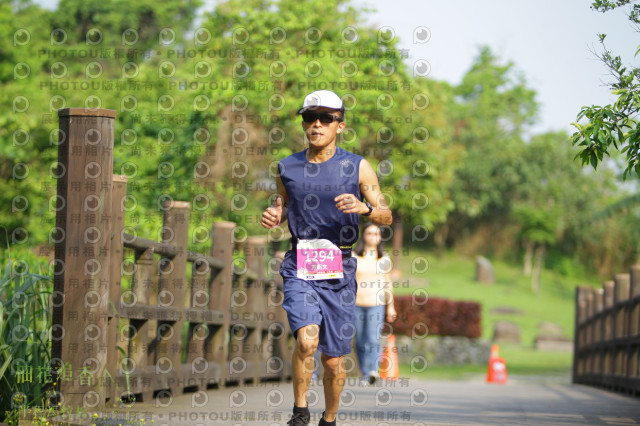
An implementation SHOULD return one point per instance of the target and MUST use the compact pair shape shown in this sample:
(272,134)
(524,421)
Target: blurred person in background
(374,300)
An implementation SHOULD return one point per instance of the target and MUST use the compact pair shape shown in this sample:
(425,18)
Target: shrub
(437,317)
(25,338)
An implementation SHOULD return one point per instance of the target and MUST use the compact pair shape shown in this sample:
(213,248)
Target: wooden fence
(126,319)
(607,334)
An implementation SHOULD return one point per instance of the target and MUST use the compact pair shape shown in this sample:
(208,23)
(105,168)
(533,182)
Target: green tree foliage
(392,119)
(203,115)
(617,123)
(487,113)
(206,107)
(138,23)
(505,180)
(547,201)
(553,184)
(494,106)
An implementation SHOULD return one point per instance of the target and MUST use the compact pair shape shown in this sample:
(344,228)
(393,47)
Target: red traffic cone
(497,367)
(389,366)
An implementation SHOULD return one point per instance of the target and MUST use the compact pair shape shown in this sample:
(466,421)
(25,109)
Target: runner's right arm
(277,213)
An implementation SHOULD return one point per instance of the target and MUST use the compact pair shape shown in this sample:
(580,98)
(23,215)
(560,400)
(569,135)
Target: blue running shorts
(327,303)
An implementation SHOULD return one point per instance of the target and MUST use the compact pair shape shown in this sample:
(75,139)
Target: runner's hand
(272,215)
(348,203)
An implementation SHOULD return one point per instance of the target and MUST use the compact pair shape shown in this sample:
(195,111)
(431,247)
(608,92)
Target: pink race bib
(318,260)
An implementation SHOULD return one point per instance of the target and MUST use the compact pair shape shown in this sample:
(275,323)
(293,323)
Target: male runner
(320,192)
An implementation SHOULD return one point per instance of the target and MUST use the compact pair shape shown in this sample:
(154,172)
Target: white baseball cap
(324,98)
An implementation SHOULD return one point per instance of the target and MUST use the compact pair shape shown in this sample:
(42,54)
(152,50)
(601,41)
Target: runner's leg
(334,378)
(302,362)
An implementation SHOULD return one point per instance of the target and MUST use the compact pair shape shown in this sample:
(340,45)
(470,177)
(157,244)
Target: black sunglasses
(324,117)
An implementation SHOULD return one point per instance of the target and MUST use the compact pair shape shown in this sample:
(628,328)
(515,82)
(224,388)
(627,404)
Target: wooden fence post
(280,360)
(119,193)
(621,296)
(172,287)
(621,299)
(196,370)
(634,292)
(589,308)
(607,330)
(634,322)
(217,348)
(588,331)
(255,308)
(83,242)
(598,326)
(140,358)
(579,340)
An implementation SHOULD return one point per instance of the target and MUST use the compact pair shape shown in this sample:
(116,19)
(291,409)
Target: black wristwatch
(370,209)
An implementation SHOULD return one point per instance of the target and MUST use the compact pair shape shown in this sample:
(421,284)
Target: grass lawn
(451,276)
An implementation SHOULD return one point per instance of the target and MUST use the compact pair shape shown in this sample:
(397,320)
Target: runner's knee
(307,341)
(307,348)
(332,365)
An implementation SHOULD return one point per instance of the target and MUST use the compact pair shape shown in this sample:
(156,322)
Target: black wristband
(370,209)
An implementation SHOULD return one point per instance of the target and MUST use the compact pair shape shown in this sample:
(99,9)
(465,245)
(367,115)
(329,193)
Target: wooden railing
(607,334)
(127,322)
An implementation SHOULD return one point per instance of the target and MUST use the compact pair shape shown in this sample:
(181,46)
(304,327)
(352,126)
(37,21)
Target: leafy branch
(615,124)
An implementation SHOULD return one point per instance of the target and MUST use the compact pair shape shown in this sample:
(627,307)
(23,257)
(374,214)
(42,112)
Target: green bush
(25,338)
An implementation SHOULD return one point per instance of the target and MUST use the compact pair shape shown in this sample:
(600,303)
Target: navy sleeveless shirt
(312,211)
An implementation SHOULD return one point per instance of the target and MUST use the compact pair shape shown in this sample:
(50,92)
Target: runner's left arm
(370,189)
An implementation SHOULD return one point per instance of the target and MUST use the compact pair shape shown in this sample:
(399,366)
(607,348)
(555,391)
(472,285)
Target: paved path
(411,402)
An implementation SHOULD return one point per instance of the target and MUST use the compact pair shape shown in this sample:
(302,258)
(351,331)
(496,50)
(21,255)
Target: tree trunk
(528,257)
(537,268)
(440,236)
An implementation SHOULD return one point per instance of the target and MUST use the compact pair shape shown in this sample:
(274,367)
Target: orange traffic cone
(497,368)
(389,365)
